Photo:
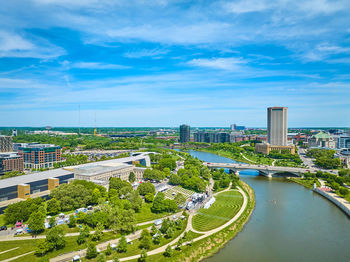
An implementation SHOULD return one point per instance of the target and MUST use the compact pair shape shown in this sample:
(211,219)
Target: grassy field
(226,205)
(147,215)
(309,183)
(26,246)
(177,189)
(133,248)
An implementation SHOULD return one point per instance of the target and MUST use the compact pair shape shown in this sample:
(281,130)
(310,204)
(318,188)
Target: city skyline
(163,63)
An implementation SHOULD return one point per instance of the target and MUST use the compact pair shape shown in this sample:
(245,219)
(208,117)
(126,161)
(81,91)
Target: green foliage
(149,197)
(179,199)
(83,235)
(109,249)
(42,247)
(36,222)
(98,232)
(71,196)
(153,174)
(143,256)
(160,204)
(146,188)
(56,238)
(11,174)
(175,180)
(72,221)
(91,251)
(145,239)
(101,258)
(122,245)
(21,210)
(167,163)
(168,251)
(53,206)
(132,177)
(117,184)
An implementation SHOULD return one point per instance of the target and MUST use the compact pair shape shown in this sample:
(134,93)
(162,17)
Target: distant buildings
(234,127)
(185,133)
(344,156)
(277,128)
(344,142)
(211,137)
(5,144)
(267,148)
(322,140)
(40,155)
(10,162)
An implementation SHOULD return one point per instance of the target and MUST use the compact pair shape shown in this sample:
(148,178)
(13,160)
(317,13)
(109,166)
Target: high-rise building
(234,127)
(185,133)
(277,128)
(40,155)
(5,144)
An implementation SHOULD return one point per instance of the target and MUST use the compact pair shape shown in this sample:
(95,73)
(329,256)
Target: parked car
(3,228)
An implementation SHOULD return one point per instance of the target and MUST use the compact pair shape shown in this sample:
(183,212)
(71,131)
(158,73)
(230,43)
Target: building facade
(277,128)
(40,155)
(5,144)
(344,142)
(266,148)
(322,140)
(10,162)
(185,133)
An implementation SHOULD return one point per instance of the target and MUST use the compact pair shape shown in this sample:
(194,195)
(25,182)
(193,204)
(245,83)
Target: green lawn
(30,245)
(133,248)
(226,205)
(309,183)
(146,214)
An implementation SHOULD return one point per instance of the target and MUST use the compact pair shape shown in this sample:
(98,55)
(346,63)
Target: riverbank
(308,183)
(210,245)
(335,199)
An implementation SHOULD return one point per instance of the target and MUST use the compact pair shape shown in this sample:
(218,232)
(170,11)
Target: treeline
(324,158)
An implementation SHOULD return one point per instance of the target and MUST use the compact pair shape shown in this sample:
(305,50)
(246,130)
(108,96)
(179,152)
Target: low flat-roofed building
(10,162)
(266,148)
(36,182)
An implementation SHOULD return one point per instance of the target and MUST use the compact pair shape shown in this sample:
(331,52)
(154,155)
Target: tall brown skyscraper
(277,128)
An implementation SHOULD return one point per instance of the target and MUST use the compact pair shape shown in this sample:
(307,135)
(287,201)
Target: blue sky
(163,63)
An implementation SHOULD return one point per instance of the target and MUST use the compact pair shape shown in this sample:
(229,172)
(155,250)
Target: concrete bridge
(263,170)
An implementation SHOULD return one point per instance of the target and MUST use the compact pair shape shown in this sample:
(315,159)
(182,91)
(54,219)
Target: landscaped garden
(226,205)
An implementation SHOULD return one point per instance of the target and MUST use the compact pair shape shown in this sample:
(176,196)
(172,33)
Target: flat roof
(97,169)
(26,179)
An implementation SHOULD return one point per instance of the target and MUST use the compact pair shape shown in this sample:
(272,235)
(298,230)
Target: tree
(83,235)
(115,258)
(36,222)
(81,217)
(101,258)
(149,197)
(98,232)
(154,230)
(109,249)
(175,180)
(143,256)
(145,239)
(170,232)
(167,163)
(158,203)
(55,237)
(122,245)
(72,221)
(131,177)
(52,221)
(91,251)
(42,247)
(146,188)
(96,195)
(168,251)
(71,196)
(53,206)
(117,184)
(157,239)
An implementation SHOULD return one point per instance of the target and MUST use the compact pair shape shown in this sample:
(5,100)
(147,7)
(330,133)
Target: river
(289,223)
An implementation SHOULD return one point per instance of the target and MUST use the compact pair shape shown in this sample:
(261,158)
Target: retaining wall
(334,200)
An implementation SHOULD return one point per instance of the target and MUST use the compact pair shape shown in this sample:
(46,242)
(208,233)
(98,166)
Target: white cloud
(156,52)
(323,51)
(246,6)
(14,45)
(230,64)
(94,65)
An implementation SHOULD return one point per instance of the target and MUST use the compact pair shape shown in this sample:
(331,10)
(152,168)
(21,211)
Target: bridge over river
(263,170)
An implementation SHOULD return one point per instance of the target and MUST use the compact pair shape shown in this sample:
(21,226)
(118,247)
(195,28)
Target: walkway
(247,159)
(190,228)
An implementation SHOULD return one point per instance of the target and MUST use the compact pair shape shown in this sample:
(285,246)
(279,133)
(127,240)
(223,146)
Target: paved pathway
(247,159)
(8,250)
(189,227)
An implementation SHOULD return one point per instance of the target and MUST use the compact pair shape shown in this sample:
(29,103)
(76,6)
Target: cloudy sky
(167,62)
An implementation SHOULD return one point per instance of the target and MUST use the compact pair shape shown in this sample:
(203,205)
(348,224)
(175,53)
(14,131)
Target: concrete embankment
(338,201)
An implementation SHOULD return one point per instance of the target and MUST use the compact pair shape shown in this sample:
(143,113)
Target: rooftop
(14,181)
